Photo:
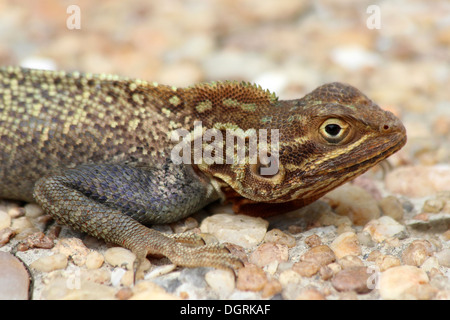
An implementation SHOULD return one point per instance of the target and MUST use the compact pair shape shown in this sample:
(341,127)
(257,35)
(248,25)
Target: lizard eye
(334,130)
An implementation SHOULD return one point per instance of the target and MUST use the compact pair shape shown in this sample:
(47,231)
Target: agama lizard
(95,152)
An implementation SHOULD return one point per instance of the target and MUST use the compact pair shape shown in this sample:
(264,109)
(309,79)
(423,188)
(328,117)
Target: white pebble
(238,229)
(384,228)
(5,220)
(221,281)
(398,283)
(50,263)
(120,257)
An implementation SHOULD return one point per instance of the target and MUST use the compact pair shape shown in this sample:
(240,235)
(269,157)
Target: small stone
(352,279)
(346,244)
(251,278)
(418,181)
(14,278)
(58,289)
(385,262)
(310,294)
(348,262)
(5,235)
(120,257)
(446,235)
(313,241)
(289,277)
(417,252)
(271,288)
(124,293)
(429,264)
(50,263)
(184,225)
(373,256)
(399,283)
(365,239)
(73,248)
(321,255)
(278,236)
(354,202)
(33,210)
(269,252)
(38,240)
(94,260)
(5,220)
(434,205)
(221,281)
(16,212)
(326,273)
(392,207)
(443,257)
(384,228)
(305,268)
(21,224)
(238,229)
(147,290)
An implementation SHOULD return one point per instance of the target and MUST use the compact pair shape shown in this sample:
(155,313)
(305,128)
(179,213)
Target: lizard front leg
(113,202)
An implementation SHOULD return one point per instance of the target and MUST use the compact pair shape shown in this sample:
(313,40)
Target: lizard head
(315,144)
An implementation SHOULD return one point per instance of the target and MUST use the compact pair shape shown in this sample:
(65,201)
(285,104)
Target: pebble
(5,235)
(310,294)
(417,252)
(268,253)
(120,257)
(384,228)
(320,255)
(280,237)
(221,281)
(238,229)
(305,268)
(251,278)
(148,290)
(346,244)
(184,225)
(429,264)
(313,241)
(21,224)
(354,202)
(5,220)
(352,279)
(349,261)
(385,262)
(50,263)
(443,257)
(365,239)
(62,289)
(271,288)
(94,260)
(33,210)
(14,278)
(391,207)
(402,282)
(37,240)
(74,249)
(418,181)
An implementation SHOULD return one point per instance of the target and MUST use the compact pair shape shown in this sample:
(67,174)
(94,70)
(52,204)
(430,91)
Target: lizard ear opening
(268,170)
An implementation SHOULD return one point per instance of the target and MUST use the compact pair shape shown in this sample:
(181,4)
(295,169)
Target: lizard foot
(184,250)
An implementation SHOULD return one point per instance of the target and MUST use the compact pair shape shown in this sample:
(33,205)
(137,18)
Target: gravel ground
(384,236)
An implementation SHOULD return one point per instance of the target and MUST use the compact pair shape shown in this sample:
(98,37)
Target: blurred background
(396,52)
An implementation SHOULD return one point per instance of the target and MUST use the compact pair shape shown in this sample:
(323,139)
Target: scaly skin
(95,152)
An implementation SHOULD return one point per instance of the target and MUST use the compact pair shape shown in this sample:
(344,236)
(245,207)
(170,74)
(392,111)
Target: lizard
(95,152)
